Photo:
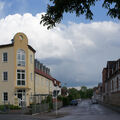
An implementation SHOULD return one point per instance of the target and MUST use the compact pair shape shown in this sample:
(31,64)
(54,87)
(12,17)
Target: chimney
(12,41)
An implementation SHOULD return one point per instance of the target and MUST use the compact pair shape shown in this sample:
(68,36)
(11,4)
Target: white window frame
(3,57)
(20,79)
(3,76)
(21,52)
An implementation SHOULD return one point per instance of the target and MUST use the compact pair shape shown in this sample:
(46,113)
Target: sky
(76,50)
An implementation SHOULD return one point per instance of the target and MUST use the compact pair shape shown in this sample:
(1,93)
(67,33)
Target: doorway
(21,95)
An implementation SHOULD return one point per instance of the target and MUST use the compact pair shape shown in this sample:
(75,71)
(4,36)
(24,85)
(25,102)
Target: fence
(59,105)
(38,108)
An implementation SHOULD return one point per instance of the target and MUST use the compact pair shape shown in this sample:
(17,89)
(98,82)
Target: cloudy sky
(76,50)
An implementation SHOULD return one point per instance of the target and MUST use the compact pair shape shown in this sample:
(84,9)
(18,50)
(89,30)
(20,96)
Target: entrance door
(22,97)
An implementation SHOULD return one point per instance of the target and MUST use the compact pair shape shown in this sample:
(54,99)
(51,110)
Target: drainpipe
(34,77)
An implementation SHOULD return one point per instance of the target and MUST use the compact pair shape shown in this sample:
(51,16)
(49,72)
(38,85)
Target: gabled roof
(31,48)
(43,74)
(12,44)
(6,45)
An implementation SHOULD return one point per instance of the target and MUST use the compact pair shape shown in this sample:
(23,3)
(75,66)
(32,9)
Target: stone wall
(114,99)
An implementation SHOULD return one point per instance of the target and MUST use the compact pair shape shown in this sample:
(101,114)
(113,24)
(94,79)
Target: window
(21,57)
(112,85)
(30,58)
(5,76)
(5,96)
(5,57)
(31,75)
(21,77)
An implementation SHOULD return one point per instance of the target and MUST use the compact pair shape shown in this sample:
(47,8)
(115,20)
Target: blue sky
(38,6)
(76,50)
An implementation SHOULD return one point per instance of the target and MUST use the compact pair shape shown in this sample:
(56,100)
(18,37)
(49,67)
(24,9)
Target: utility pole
(56,101)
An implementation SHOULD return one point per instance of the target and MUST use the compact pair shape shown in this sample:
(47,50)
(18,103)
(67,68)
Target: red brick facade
(111,83)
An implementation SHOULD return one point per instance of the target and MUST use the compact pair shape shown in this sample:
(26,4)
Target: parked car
(74,102)
(94,101)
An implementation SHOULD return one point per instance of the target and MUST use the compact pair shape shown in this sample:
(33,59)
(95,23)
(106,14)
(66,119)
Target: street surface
(84,111)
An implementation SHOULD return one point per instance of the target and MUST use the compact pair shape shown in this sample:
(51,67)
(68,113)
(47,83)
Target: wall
(7,86)
(30,70)
(42,84)
(112,95)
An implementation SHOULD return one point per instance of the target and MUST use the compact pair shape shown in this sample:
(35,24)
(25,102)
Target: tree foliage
(73,94)
(85,93)
(80,7)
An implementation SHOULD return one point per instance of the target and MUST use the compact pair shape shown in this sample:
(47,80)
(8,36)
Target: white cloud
(76,53)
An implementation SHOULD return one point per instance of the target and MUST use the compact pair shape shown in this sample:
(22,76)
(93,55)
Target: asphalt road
(84,111)
(87,111)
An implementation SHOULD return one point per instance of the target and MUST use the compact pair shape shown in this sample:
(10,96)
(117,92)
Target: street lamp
(56,101)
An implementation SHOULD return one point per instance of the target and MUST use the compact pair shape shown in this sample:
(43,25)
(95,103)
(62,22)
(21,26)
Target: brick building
(111,83)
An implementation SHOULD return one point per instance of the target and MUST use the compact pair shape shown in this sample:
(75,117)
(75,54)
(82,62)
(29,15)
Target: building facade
(20,75)
(111,83)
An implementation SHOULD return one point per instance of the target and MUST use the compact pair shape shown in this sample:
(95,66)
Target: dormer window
(20,57)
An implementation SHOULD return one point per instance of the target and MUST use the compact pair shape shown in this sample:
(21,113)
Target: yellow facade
(8,85)
(43,85)
(23,82)
(11,67)
(29,66)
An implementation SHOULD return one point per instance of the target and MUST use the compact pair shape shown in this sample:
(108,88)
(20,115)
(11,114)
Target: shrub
(65,101)
(11,107)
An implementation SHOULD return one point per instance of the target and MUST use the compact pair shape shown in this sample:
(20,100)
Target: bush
(65,101)
(11,107)
(60,97)
(2,107)
(50,101)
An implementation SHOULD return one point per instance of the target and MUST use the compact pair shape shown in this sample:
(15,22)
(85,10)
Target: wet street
(84,111)
(87,111)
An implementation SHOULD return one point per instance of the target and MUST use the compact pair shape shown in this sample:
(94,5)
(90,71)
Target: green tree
(80,7)
(84,88)
(82,94)
(86,93)
(89,93)
(73,94)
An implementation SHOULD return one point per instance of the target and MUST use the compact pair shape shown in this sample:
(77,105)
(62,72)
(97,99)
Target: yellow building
(19,79)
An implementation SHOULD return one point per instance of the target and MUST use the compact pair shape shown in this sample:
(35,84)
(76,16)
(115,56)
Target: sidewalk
(52,115)
(114,108)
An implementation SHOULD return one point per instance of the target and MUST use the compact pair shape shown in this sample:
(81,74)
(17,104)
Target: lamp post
(56,101)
